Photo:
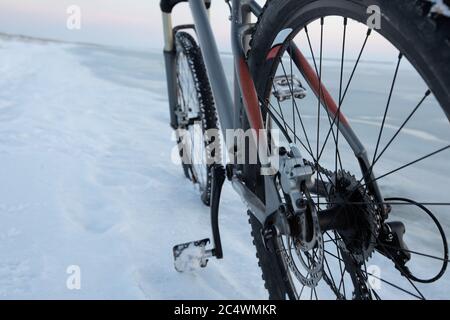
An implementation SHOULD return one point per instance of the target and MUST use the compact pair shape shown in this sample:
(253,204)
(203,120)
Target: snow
(87,179)
(190,258)
(440,7)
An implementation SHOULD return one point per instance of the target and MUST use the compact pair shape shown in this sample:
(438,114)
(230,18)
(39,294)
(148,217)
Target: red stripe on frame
(250,97)
(311,76)
(273,52)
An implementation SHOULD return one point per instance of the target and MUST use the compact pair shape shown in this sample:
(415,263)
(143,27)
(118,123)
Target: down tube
(214,67)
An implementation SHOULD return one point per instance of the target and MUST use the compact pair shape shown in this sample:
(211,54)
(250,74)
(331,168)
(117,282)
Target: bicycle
(321,215)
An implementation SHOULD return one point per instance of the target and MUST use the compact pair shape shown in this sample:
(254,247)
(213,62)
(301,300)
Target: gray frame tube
(214,67)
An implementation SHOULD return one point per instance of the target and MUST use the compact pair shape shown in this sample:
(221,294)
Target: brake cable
(403,268)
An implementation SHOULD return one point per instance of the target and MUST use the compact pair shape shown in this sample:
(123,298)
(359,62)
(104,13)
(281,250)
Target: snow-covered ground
(86,179)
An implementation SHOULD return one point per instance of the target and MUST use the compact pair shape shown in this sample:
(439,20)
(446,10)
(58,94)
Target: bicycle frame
(245,96)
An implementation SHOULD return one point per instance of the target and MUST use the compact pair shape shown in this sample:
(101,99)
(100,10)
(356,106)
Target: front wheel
(196,114)
(392,85)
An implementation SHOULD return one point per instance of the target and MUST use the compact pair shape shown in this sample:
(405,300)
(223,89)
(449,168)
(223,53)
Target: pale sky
(128,23)
(137,24)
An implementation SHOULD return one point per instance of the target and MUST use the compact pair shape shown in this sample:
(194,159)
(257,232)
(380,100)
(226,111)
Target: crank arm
(191,254)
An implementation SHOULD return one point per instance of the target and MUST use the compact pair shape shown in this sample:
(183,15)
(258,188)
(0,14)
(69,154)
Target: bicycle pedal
(288,86)
(190,256)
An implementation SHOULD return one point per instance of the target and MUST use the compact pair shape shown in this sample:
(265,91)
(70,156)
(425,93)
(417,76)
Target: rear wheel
(392,84)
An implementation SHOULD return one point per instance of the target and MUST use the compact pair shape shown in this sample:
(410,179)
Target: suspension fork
(169,32)
(170,65)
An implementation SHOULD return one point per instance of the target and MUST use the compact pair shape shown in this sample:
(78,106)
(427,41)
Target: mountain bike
(348,197)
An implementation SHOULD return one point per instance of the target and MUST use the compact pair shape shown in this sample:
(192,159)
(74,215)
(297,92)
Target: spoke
(340,97)
(332,286)
(396,286)
(311,49)
(331,281)
(397,248)
(376,295)
(419,296)
(400,56)
(288,138)
(301,291)
(369,32)
(270,112)
(334,256)
(407,165)
(292,90)
(392,203)
(380,133)
(385,281)
(281,109)
(336,142)
(342,283)
(342,270)
(427,93)
(338,112)
(418,253)
(340,264)
(319,99)
(297,110)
